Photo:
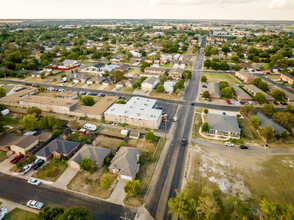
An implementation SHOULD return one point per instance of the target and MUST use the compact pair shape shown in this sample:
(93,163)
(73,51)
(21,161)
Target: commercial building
(245,76)
(14,97)
(253,90)
(137,111)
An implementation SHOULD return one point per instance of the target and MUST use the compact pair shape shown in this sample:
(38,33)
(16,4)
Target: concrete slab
(118,195)
(65,178)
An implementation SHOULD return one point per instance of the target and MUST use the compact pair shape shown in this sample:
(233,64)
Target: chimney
(94,143)
(138,157)
(64,137)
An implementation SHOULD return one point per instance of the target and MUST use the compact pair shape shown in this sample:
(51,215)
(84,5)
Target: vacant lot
(145,146)
(166,96)
(114,132)
(249,176)
(89,183)
(196,125)
(52,171)
(2,155)
(109,142)
(217,77)
(126,90)
(20,214)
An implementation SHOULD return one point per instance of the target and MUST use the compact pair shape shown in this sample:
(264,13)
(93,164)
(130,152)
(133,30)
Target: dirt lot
(145,146)
(89,183)
(250,177)
(108,142)
(111,132)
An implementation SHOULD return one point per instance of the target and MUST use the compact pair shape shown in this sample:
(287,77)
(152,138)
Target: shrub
(205,127)
(86,164)
(149,136)
(205,111)
(105,181)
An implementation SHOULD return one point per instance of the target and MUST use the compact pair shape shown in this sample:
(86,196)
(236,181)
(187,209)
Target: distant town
(146,119)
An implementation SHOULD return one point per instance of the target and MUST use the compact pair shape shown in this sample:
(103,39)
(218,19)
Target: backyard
(20,214)
(109,142)
(217,77)
(89,183)
(2,155)
(52,171)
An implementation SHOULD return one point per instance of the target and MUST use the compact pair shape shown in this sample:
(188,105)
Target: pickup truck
(35,204)
(17,158)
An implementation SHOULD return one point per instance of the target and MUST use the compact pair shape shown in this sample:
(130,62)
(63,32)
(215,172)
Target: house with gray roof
(225,125)
(126,163)
(96,154)
(265,121)
(58,147)
(214,91)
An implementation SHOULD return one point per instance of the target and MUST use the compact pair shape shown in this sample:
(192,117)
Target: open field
(89,183)
(250,177)
(20,214)
(52,171)
(217,77)
(108,142)
(165,96)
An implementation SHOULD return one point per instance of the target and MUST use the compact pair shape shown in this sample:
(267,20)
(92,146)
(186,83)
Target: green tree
(260,98)
(105,181)
(256,81)
(275,210)
(268,110)
(88,100)
(205,111)
(187,74)
(48,213)
(203,79)
(34,111)
(86,164)
(205,127)
(279,94)
(247,110)
(177,92)
(149,136)
(120,101)
(132,187)
(160,88)
(2,92)
(144,65)
(163,79)
(117,75)
(223,84)
(136,85)
(284,136)
(285,119)
(263,86)
(56,133)
(179,85)
(75,213)
(289,108)
(227,92)
(206,95)
(29,122)
(50,123)
(254,120)
(267,132)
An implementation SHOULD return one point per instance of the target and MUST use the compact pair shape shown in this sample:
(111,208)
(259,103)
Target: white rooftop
(137,107)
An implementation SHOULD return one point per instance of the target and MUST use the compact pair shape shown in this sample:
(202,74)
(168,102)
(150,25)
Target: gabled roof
(58,146)
(22,141)
(265,121)
(95,154)
(223,123)
(126,161)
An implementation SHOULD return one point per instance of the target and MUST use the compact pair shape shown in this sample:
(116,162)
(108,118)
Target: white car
(25,169)
(34,181)
(229,144)
(35,204)
(3,212)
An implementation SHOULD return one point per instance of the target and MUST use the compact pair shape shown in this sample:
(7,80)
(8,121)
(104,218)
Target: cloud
(287,4)
(200,2)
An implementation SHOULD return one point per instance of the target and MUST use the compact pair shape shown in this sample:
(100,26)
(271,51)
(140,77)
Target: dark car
(183,142)
(37,165)
(276,103)
(243,147)
(192,104)
(17,158)
(242,102)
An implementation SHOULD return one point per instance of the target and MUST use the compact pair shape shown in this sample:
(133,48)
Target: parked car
(38,163)
(276,103)
(25,169)
(183,142)
(164,119)
(35,204)
(159,107)
(229,144)
(242,102)
(17,158)
(3,212)
(34,181)
(228,101)
(243,147)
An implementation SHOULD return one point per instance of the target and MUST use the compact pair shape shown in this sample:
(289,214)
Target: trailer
(90,127)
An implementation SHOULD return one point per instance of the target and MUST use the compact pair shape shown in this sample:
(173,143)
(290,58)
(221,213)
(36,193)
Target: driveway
(118,195)
(65,178)
(5,165)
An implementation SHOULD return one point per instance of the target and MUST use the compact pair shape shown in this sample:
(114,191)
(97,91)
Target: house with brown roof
(245,76)
(123,68)
(287,78)
(153,71)
(176,73)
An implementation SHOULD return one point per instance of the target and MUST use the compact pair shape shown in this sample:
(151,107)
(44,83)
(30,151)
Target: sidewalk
(118,194)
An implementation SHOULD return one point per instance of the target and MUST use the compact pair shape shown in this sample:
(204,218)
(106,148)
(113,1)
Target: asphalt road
(18,190)
(173,166)
(275,83)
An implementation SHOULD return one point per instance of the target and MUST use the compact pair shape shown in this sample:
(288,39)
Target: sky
(148,9)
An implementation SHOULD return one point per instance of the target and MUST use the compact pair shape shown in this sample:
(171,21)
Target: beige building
(149,84)
(23,144)
(138,112)
(153,71)
(13,98)
(176,73)
(245,76)
(253,90)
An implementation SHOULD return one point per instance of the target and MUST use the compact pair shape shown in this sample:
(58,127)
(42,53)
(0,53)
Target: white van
(90,127)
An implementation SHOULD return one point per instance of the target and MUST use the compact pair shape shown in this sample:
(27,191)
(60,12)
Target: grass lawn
(111,132)
(249,133)
(109,88)
(196,125)
(126,90)
(2,155)
(75,137)
(109,142)
(165,96)
(89,183)
(274,182)
(145,174)
(145,146)
(52,171)
(10,120)
(217,77)
(20,214)
(273,77)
